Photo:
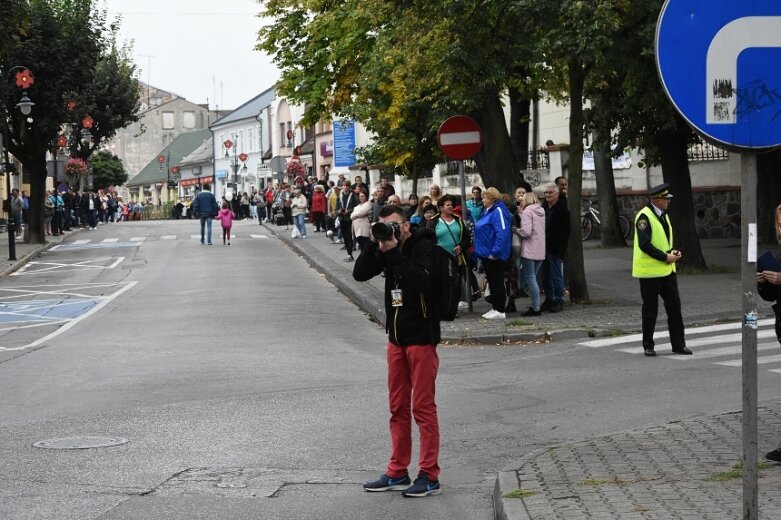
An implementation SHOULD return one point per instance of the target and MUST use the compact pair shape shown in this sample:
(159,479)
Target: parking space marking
(95,304)
(38,267)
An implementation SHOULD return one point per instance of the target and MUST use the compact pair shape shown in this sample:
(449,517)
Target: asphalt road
(249,387)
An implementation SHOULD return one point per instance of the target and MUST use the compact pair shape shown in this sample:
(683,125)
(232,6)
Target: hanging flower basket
(295,169)
(76,166)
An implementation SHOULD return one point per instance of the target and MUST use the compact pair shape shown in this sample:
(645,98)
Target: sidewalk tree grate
(79,443)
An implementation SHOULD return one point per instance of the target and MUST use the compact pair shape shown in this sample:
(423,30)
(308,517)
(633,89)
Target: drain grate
(79,443)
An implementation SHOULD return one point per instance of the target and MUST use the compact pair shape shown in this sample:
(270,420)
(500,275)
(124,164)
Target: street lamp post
(234,164)
(24,79)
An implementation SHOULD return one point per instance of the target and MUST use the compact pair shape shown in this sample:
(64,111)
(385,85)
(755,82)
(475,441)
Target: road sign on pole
(718,63)
(460,137)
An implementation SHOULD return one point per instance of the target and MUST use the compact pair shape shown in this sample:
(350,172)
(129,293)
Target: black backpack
(446,284)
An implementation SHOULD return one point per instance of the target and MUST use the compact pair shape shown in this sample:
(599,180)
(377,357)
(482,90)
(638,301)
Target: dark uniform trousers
(667,288)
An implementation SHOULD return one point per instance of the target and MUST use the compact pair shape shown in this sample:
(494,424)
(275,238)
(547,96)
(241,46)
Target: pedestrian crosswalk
(720,344)
(114,240)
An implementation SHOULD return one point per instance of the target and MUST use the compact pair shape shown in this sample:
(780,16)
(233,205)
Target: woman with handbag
(532,232)
(452,236)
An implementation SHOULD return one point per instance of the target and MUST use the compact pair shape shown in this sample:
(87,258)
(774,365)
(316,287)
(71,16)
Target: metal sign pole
(748,219)
(465,282)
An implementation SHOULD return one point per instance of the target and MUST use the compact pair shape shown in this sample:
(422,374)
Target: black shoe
(385,483)
(682,351)
(774,455)
(546,305)
(511,307)
(422,487)
(556,307)
(531,312)
(649,352)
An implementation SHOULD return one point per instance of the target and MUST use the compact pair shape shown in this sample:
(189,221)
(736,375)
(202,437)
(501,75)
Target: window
(282,132)
(168,120)
(240,141)
(188,119)
(250,140)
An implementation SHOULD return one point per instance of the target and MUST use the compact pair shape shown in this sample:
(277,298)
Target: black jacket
(408,268)
(557,228)
(346,202)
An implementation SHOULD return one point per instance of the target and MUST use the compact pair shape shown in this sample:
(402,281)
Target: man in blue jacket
(205,206)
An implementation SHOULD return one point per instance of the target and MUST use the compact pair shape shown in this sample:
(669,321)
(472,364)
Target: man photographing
(413,331)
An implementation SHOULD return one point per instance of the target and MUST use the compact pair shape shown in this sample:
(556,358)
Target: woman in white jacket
(361,224)
(298,206)
(532,248)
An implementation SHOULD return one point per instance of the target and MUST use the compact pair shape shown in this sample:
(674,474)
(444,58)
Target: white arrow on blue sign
(720,63)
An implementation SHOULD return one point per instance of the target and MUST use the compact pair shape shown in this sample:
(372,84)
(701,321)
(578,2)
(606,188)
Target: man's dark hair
(525,185)
(430,207)
(387,211)
(444,198)
(557,179)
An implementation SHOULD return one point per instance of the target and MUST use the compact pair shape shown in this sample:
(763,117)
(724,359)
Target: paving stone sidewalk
(681,470)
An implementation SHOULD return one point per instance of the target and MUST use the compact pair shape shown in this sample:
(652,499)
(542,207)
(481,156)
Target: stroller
(277,217)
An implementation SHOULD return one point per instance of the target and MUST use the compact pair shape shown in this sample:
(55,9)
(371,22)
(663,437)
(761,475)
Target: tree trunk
(673,145)
(578,289)
(609,225)
(36,163)
(768,194)
(520,115)
(495,157)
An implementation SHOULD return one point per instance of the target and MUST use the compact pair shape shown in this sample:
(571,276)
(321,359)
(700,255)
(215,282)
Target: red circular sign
(243,157)
(161,159)
(460,137)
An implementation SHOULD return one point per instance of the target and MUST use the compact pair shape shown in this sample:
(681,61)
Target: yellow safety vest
(644,265)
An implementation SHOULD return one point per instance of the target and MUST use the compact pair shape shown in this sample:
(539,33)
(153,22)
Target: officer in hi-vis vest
(653,263)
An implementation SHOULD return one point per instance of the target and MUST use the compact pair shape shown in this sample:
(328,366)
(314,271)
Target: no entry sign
(460,137)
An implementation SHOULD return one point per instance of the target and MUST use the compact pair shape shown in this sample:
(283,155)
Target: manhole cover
(79,443)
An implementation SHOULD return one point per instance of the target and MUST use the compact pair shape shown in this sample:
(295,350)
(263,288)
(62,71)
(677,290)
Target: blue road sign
(720,64)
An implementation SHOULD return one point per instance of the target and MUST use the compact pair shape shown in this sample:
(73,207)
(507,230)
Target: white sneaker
(496,316)
(463,305)
(488,314)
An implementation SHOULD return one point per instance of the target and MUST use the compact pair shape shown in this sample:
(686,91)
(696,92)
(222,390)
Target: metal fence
(706,152)
(535,160)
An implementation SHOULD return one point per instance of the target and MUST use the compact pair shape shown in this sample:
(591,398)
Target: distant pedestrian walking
(205,207)
(654,262)
(226,216)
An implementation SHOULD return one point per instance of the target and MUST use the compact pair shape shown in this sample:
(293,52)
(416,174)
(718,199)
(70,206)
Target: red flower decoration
(161,159)
(71,105)
(228,144)
(87,122)
(24,79)
(62,141)
(76,166)
(175,169)
(295,169)
(243,157)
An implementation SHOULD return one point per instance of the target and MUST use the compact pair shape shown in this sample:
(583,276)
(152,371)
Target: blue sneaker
(422,487)
(386,483)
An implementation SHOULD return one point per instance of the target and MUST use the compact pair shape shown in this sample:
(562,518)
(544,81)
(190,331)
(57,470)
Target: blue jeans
(206,221)
(300,222)
(554,278)
(529,270)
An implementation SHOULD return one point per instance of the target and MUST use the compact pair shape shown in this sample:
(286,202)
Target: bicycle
(591,215)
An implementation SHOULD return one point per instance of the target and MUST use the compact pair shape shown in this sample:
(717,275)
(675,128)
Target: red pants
(412,375)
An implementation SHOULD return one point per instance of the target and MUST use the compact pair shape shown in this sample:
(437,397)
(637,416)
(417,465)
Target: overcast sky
(199,49)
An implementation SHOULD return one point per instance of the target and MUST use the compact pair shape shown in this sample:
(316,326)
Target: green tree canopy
(107,170)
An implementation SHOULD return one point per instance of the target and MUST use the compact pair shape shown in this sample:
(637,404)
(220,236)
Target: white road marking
(617,340)
(109,240)
(258,236)
(73,322)
(80,242)
(762,360)
(168,237)
(138,239)
(60,267)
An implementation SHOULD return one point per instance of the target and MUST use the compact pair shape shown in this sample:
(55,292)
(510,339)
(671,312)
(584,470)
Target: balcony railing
(706,152)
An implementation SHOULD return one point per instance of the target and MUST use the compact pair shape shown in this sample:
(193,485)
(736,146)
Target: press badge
(396,297)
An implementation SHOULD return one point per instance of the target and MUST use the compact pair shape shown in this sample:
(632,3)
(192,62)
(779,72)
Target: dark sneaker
(385,483)
(422,487)
(774,455)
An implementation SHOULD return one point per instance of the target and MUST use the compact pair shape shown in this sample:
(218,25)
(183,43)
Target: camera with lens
(386,230)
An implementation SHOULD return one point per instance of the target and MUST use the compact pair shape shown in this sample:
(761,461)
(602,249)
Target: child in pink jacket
(226,216)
